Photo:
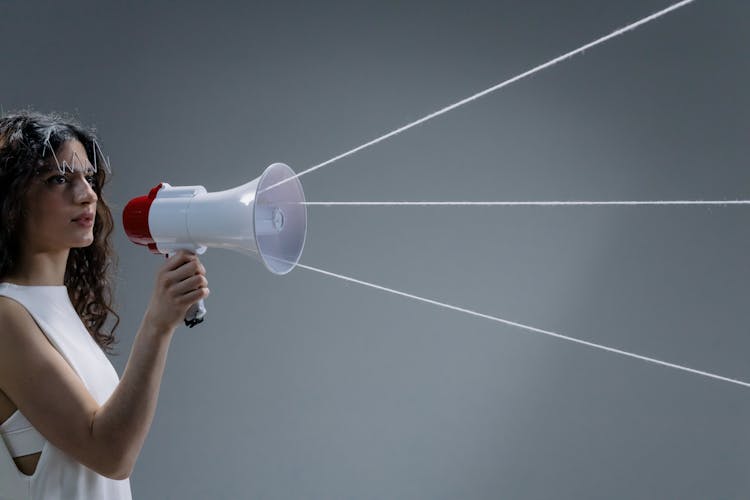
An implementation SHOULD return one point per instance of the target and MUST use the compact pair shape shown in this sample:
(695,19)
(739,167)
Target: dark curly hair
(28,142)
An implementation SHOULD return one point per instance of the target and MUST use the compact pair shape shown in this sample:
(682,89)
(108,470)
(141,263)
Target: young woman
(70,428)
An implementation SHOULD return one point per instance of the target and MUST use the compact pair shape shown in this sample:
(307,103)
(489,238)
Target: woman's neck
(47,269)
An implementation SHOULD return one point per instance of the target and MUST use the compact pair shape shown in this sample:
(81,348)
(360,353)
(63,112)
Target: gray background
(306,387)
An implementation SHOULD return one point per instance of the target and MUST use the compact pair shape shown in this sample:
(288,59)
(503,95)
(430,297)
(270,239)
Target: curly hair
(28,142)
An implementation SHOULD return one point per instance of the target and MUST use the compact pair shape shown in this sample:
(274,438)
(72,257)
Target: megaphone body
(265,218)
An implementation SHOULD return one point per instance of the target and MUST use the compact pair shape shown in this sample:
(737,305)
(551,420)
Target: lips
(89,216)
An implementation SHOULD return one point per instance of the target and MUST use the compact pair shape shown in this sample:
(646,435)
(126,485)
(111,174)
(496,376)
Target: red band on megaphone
(135,219)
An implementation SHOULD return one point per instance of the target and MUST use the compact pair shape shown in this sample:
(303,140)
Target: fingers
(190,284)
(195,295)
(180,283)
(178,259)
(185,271)
(187,275)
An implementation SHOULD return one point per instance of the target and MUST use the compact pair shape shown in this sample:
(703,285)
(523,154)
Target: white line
(530,72)
(518,203)
(532,329)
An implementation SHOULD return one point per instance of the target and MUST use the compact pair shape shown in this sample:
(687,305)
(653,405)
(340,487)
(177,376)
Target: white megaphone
(265,218)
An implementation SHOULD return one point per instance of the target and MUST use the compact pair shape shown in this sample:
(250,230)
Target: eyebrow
(44,170)
(49,168)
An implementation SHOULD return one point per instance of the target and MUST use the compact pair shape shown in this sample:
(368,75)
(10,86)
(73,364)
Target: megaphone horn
(267,224)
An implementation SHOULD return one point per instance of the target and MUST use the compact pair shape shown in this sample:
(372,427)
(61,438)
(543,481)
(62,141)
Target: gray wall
(306,387)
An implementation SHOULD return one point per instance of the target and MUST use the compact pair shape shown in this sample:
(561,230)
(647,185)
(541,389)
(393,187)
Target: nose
(83,191)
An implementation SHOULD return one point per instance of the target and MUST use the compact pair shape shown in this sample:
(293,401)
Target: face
(55,199)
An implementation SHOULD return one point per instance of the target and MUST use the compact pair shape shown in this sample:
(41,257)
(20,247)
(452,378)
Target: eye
(57,179)
(54,179)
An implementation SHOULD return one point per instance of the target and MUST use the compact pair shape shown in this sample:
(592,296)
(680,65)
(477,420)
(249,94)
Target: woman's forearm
(121,424)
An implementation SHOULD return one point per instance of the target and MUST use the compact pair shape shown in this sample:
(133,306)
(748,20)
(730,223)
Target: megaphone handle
(197,311)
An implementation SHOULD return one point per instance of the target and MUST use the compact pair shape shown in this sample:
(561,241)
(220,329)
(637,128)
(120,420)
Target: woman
(70,428)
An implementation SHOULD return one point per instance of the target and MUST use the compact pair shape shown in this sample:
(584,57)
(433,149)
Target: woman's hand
(180,283)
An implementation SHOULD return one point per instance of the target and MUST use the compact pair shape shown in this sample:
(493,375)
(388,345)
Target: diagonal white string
(530,72)
(519,203)
(531,328)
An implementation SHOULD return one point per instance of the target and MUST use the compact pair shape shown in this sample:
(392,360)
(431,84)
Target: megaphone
(265,218)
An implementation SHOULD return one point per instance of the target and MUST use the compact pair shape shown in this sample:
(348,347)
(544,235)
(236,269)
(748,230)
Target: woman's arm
(124,420)
(106,438)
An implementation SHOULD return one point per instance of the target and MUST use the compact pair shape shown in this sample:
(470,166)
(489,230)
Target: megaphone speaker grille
(280,219)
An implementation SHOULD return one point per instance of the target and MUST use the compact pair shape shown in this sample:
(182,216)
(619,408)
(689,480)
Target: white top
(57,476)
(20,436)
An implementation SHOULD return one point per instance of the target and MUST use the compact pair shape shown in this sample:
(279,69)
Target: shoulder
(12,311)
(19,334)
(13,314)
(9,304)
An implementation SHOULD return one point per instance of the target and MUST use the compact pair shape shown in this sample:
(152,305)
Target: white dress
(57,476)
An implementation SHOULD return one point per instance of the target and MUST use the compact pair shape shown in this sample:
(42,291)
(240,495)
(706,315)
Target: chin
(87,242)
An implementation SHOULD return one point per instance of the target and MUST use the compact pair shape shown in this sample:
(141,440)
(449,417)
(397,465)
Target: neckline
(31,286)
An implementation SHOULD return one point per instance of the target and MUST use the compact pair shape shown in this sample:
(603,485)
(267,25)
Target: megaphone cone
(268,224)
